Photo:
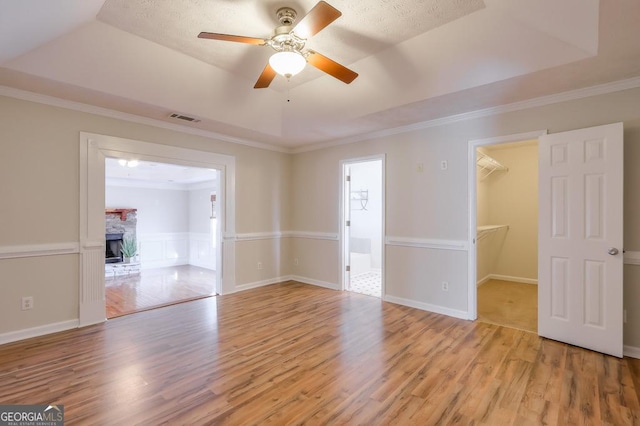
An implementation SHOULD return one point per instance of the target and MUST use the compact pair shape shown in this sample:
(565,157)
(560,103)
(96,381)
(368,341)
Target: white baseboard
(318,283)
(510,278)
(427,307)
(484,280)
(631,351)
(14,336)
(256,284)
(206,265)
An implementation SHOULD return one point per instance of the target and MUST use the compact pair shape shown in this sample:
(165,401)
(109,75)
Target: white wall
(367,223)
(174,225)
(200,209)
(159,210)
(201,228)
(163,222)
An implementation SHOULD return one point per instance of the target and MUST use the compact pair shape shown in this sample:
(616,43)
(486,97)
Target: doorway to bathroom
(363,226)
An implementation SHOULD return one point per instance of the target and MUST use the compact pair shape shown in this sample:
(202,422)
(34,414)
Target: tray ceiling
(417,60)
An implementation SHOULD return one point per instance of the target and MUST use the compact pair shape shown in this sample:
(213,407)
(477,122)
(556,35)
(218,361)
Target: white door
(580,238)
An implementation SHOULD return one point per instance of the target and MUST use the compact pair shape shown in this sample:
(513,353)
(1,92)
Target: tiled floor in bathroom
(369,283)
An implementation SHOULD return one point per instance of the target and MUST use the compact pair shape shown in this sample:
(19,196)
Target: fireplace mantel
(122,212)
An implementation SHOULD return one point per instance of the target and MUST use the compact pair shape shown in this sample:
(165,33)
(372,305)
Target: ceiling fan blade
(228,37)
(265,79)
(331,67)
(319,17)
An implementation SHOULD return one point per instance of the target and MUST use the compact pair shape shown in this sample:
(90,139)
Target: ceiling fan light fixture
(128,163)
(287,63)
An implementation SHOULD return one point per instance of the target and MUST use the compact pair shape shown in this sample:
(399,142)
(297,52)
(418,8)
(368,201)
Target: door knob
(613,251)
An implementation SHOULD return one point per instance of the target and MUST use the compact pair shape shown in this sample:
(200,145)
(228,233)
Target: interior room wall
(512,203)
(201,227)
(40,210)
(511,254)
(487,247)
(366,223)
(163,222)
(482,197)
(159,210)
(430,207)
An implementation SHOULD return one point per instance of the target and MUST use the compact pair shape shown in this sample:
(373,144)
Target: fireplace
(113,246)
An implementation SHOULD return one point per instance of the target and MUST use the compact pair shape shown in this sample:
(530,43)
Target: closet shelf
(486,230)
(487,165)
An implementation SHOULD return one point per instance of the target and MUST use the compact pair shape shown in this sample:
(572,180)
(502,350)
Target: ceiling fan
(288,41)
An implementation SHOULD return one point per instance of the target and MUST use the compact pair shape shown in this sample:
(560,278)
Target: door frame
(94,148)
(342,210)
(472,303)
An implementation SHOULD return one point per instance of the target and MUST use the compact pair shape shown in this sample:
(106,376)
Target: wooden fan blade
(331,67)
(228,37)
(265,79)
(319,17)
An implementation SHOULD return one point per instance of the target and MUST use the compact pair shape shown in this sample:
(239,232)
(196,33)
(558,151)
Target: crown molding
(601,89)
(105,112)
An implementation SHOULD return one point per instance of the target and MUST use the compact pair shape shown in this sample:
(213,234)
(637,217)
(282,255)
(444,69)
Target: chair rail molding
(427,243)
(37,250)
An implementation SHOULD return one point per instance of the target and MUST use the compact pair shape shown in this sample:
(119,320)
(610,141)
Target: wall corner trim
(632,258)
(311,281)
(426,307)
(314,235)
(36,250)
(263,283)
(631,351)
(27,333)
(428,243)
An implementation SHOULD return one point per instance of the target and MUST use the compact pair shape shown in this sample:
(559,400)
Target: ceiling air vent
(184,117)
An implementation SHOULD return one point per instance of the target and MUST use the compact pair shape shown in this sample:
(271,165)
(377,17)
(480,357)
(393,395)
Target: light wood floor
(154,288)
(509,304)
(297,354)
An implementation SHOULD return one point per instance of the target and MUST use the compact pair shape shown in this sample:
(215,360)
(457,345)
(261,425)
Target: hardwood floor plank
(296,354)
(155,288)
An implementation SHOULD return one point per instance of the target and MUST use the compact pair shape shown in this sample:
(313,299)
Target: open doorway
(363,231)
(161,234)
(507,234)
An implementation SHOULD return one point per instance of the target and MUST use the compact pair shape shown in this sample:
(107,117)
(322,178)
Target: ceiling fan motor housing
(286,16)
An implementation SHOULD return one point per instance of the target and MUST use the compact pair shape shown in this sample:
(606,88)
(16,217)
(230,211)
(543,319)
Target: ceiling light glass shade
(287,63)
(130,163)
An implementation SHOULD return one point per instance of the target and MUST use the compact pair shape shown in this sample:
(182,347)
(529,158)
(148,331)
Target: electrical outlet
(27,303)
(445,286)
(259,265)
(444,165)
(295,261)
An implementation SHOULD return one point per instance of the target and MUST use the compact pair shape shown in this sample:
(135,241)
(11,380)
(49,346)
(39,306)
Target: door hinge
(348,268)
(348,178)
(348,223)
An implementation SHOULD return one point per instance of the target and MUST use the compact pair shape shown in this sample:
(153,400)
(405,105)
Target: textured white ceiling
(417,60)
(365,28)
(147,171)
